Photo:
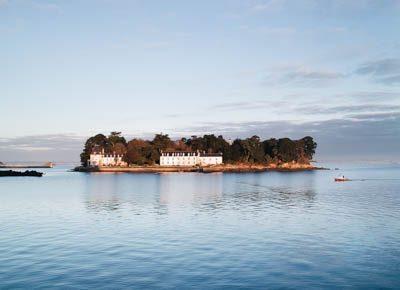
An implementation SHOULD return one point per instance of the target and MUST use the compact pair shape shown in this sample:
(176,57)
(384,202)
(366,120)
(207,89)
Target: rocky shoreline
(234,168)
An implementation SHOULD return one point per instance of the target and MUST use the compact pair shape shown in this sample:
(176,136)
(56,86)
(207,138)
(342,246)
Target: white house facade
(101,159)
(181,158)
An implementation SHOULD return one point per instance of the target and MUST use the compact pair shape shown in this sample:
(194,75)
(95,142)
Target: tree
(224,148)
(287,150)
(257,149)
(135,152)
(98,142)
(162,142)
(309,146)
(271,148)
(181,145)
(250,150)
(236,150)
(151,154)
(115,137)
(209,143)
(119,148)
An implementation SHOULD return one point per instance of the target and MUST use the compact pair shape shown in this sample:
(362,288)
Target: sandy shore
(206,169)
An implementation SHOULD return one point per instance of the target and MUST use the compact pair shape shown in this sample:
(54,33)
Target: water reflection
(275,196)
(101,192)
(282,190)
(111,192)
(184,189)
(162,193)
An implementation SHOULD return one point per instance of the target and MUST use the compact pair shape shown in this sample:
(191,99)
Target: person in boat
(341,178)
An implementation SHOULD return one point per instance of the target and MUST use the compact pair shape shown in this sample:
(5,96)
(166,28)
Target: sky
(277,68)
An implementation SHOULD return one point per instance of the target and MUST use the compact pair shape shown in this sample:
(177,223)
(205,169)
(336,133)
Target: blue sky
(70,69)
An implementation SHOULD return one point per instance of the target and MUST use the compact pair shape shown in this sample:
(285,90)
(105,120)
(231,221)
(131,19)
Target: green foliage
(162,142)
(249,150)
(137,152)
(236,151)
(271,147)
(309,146)
(287,150)
(208,143)
(117,143)
(98,142)
(114,143)
(115,138)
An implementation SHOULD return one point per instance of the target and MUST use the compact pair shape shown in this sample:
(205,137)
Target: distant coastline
(15,166)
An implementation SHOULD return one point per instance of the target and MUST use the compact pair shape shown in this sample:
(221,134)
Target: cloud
(346,109)
(41,147)
(303,76)
(377,116)
(41,142)
(385,71)
(334,128)
(359,135)
(247,105)
(310,75)
(345,131)
(316,110)
(391,80)
(364,136)
(380,67)
(233,106)
(372,96)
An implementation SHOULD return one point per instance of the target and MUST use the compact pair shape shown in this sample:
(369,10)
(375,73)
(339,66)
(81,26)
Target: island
(207,153)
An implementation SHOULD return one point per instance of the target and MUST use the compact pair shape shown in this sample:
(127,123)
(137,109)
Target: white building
(180,158)
(101,159)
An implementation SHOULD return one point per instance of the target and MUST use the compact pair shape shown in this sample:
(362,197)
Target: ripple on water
(264,230)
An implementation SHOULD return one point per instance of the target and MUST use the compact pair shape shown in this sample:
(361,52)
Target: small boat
(342,178)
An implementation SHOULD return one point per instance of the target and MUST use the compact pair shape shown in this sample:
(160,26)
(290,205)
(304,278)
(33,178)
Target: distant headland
(207,153)
(27,165)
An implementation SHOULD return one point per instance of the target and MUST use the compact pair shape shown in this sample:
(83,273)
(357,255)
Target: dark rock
(4,173)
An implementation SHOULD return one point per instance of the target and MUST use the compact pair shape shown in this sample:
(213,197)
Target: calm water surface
(215,231)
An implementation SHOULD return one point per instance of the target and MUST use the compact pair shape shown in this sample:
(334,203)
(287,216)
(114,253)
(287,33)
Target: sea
(270,230)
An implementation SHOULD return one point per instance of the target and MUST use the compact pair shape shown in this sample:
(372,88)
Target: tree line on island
(251,150)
